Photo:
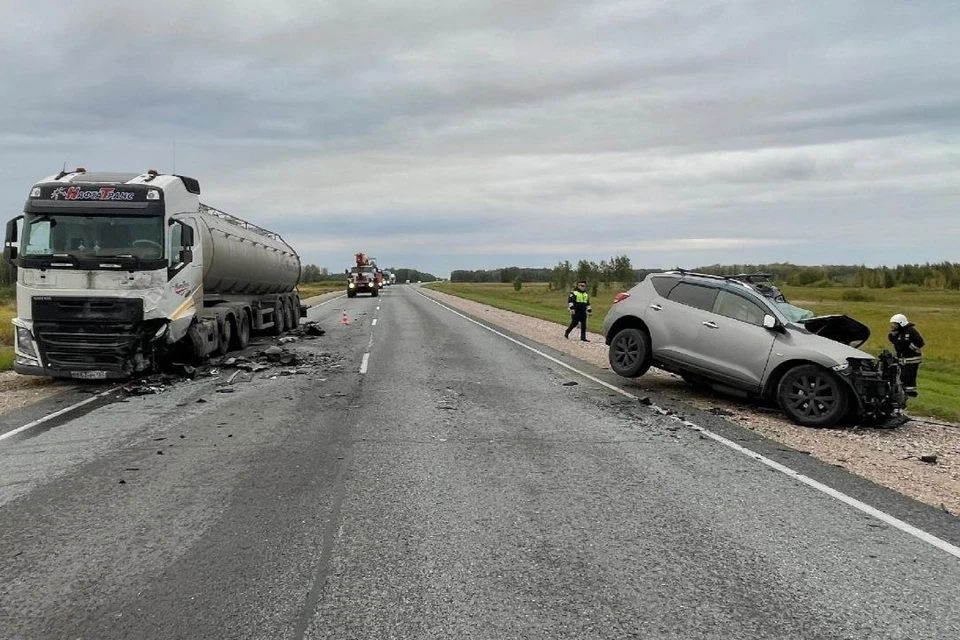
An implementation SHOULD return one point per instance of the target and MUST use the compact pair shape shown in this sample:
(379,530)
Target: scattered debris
(645,401)
(123,482)
(159,453)
(200,401)
(572,383)
(288,340)
(720,411)
(929,459)
(225,390)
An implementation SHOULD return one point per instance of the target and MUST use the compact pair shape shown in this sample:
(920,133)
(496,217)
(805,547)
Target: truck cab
(115,269)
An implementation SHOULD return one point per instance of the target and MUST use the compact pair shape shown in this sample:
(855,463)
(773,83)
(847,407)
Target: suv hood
(840,328)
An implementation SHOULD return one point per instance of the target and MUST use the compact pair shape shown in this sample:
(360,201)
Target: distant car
(740,334)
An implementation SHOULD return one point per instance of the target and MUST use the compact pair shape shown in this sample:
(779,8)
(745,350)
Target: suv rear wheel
(630,353)
(811,396)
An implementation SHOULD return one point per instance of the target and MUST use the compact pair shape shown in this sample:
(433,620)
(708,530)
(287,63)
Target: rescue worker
(579,304)
(907,342)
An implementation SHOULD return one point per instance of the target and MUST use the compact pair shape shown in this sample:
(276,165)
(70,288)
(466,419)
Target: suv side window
(737,307)
(663,285)
(694,295)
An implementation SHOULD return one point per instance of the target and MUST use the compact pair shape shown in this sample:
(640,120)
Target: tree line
(619,271)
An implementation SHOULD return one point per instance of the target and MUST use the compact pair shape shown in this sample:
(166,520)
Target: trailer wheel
(279,317)
(241,337)
(226,336)
(293,318)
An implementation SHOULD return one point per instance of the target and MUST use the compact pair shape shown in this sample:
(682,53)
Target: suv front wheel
(630,353)
(811,396)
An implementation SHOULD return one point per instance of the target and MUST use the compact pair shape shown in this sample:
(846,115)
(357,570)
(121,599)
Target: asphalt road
(460,487)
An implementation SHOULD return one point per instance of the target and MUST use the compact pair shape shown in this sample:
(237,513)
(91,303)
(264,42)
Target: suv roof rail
(742,279)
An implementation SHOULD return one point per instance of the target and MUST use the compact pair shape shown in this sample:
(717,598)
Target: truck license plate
(89,375)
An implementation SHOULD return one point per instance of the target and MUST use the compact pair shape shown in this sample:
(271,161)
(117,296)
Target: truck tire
(226,337)
(811,396)
(293,314)
(351,294)
(279,317)
(196,345)
(374,292)
(241,337)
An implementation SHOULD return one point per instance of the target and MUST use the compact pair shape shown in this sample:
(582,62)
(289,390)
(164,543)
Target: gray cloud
(474,134)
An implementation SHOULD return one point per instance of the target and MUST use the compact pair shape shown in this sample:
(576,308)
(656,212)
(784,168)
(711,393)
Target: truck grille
(87,333)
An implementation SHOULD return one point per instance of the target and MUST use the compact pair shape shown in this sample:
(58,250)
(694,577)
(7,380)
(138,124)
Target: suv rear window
(663,284)
(694,295)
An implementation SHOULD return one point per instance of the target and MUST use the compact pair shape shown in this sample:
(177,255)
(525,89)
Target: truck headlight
(351,286)
(25,344)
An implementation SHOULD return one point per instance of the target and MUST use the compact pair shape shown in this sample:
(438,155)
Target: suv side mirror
(769,322)
(10,251)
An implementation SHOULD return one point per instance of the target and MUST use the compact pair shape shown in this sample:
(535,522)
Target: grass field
(319,288)
(936,314)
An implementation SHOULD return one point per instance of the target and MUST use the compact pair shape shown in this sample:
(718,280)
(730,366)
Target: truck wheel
(629,353)
(279,317)
(293,317)
(811,396)
(226,337)
(196,345)
(351,294)
(374,292)
(241,337)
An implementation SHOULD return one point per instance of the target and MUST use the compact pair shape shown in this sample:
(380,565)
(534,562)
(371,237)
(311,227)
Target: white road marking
(378,308)
(364,363)
(374,322)
(57,414)
(883,516)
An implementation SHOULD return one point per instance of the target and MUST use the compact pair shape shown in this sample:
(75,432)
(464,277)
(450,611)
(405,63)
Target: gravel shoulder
(887,457)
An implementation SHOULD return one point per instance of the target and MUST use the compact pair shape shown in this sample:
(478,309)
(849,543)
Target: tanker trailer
(116,271)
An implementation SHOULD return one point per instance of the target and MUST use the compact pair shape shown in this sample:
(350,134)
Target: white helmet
(899,319)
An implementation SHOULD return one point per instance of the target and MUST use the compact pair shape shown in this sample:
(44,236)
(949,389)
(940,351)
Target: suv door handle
(656,307)
(711,325)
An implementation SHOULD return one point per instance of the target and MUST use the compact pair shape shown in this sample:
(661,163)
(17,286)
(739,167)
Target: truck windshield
(93,236)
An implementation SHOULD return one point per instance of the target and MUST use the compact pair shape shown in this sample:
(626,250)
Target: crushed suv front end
(875,383)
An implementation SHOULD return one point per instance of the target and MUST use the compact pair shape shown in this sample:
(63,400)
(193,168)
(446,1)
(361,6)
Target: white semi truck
(118,271)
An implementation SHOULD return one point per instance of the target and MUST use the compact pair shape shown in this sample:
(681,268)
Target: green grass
(534,299)
(6,358)
(935,313)
(319,288)
(8,311)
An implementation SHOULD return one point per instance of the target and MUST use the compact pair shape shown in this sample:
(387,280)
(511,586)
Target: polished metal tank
(240,258)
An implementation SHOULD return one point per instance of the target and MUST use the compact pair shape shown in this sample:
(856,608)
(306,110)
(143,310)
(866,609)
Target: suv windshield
(93,236)
(793,313)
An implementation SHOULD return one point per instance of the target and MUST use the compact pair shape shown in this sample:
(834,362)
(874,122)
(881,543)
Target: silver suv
(738,334)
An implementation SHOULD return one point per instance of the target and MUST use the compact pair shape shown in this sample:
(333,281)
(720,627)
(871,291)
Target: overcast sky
(444,135)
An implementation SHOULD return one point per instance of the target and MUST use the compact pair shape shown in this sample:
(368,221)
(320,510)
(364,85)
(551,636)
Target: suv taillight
(620,297)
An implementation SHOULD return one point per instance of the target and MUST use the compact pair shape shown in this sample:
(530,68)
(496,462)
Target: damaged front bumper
(876,386)
(87,339)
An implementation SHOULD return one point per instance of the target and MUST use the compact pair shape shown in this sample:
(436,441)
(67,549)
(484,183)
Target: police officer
(907,342)
(579,303)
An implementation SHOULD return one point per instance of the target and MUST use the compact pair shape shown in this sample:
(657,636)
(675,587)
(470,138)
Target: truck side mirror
(10,250)
(346,271)
(186,238)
